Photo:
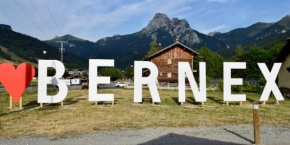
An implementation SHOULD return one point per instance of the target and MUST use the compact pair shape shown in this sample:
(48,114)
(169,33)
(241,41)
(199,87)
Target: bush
(207,80)
(221,86)
(262,82)
(237,88)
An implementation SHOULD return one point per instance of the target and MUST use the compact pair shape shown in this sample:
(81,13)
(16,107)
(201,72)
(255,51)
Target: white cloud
(93,26)
(216,28)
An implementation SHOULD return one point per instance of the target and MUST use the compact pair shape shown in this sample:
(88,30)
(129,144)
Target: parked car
(85,87)
(119,84)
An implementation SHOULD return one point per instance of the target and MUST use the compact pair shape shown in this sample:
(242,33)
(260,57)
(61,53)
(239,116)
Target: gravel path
(229,134)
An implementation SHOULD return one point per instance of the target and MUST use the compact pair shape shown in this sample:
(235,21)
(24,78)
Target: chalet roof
(170,47)
(284,52)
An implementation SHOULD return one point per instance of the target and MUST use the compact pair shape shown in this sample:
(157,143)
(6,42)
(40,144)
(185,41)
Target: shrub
(262,82)
(207,80)
(237,88)
(221,86)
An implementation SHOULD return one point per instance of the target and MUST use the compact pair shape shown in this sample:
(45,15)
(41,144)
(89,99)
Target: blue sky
(95,19)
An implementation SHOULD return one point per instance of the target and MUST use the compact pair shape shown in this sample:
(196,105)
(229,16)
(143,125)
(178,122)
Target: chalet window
(169,61)
(169,75)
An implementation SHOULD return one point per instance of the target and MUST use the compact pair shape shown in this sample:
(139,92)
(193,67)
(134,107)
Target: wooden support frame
(228,103)
(41,105)
(277,102)
(241,103)
(113,103)
(20,103)
(264,102)
(181,104)
(10,103)
(202,103)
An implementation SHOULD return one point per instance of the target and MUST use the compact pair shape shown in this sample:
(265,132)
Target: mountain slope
(255,32)
(17,48)
(127,48)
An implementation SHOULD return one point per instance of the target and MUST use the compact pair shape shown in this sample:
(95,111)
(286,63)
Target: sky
(96,19)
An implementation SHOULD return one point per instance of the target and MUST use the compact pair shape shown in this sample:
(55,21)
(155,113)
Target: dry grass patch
(80,116)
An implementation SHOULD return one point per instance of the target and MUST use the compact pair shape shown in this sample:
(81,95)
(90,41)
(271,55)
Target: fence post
(256,123)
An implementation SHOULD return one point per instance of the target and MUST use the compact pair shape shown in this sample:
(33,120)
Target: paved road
(223,135)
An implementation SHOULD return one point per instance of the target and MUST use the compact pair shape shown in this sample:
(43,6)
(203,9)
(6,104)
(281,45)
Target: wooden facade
(167,60)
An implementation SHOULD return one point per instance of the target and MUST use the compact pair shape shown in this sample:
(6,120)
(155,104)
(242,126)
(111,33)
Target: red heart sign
(15,81)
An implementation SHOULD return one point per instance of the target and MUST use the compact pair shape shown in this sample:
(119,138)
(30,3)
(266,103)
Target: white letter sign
(183,70)
(271,85)
(43,80)
(94,80)
(229,81)
(150,80)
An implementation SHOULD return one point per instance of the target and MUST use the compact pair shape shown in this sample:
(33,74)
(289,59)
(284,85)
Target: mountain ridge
(127,48)
(16,47)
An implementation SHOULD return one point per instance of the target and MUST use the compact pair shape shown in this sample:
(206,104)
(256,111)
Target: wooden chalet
(167,59)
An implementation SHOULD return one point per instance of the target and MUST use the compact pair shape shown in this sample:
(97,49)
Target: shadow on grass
(175,99)
(251,100)
(192,101)
(31,105)
(148,100)
(215,99)
(189,100)
(173,138)
(70,101)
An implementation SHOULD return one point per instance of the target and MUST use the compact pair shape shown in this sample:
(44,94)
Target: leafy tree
(153,49)
(214,63)
(262,82)
(239,50)
(207,80)
(221,85)
(113,72)
(252,57)
(129,72)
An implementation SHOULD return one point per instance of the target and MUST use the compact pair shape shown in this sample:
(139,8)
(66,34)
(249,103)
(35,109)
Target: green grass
(81,116)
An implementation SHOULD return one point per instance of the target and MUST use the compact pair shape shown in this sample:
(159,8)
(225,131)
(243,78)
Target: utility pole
(61,49)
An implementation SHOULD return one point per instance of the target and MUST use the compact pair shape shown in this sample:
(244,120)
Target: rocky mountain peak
(174,27)
(159,20)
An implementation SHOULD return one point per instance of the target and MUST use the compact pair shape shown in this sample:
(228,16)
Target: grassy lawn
(80,116)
